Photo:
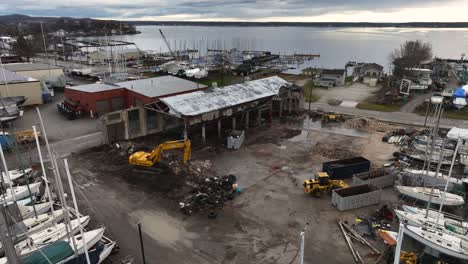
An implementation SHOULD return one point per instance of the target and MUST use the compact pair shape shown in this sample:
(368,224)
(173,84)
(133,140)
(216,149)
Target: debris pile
(400,137)
(368,124)
(210,194)
(333,152)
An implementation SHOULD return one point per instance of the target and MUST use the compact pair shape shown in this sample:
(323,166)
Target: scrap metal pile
(209,194)
(400,136)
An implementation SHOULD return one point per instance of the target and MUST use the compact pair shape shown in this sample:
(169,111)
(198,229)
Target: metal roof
(17,67)
(95,87)
(12,77)
(200,102)
(161,86)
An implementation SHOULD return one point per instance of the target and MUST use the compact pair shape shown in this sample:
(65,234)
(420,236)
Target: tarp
(56,252)
(465,87)
(455,133)
(459,92)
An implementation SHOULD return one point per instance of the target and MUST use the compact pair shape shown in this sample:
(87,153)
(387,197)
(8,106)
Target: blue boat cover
(459,92)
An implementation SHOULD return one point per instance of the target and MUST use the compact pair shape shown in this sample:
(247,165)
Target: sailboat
(61,252)
(445,243)
(15,174)
(436,196)
(432,179)
(20,192)
(27,211)
(91,238)
(40,222)
(50,235)
(444,222)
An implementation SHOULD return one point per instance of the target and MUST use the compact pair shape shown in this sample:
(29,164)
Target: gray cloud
(240,9)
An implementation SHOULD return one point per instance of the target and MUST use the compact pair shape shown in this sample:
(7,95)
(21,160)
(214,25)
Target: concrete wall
(39,74)
(137,122)
(32,90)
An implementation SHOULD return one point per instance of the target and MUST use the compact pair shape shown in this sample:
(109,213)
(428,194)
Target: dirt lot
(259,226)
(354,93)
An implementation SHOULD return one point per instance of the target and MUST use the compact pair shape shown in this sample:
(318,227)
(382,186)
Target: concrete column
(259,117)
(233,122)
(247,120)
(143,121)
(185,130)
(281,108)
(203,133)
(126,127)
(219,128)
(161,123)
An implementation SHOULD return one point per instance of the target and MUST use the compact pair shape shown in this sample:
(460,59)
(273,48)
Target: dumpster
(346,168)
(356,197)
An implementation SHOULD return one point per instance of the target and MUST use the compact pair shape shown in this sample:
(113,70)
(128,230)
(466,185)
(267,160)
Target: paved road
(392,117)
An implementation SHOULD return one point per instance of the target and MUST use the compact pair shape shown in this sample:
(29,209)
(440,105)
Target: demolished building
(241,105)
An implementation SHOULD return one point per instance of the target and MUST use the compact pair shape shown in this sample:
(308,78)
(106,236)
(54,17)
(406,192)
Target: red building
(102,98)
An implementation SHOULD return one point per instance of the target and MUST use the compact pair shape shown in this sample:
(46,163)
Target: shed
(35,70)
(12,84)
(97,97)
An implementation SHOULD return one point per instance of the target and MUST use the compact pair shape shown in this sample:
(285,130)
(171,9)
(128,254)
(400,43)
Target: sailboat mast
(449,175)
(439,164)
(72,191)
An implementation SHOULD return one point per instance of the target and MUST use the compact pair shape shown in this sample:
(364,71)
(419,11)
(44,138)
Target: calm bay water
(336,46)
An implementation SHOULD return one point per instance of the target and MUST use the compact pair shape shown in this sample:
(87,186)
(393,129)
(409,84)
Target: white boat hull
(438,197)
(430,238)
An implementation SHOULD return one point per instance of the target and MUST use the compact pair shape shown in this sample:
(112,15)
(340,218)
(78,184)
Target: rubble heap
(333,152)
(209,194)
(368,124)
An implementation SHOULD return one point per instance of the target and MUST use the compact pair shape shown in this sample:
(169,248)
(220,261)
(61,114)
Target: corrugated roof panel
(200,102)
(12,77)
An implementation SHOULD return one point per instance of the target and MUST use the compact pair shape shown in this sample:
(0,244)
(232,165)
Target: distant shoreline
(303,24)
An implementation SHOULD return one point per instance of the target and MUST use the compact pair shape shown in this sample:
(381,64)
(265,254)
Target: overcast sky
(247,10)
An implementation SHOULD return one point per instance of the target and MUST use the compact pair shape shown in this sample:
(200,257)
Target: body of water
(336,46)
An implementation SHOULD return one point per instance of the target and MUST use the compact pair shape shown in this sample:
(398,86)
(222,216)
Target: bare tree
(24,48)
(410,55)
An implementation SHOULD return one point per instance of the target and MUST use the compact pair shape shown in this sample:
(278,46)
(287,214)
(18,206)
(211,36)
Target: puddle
(309,124)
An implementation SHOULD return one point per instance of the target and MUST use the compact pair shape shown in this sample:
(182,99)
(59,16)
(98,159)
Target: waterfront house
(369,70)
(350,66)
(331,77)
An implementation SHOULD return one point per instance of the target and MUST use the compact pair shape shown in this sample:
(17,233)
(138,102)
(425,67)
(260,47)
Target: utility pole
(141,244)
(301,243)
(401,233)
(5,238)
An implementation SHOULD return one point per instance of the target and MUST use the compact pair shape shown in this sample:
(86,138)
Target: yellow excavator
(149,159)
(322,183)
